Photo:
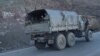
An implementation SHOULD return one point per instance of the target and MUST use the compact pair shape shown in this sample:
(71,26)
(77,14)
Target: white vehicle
(56,29)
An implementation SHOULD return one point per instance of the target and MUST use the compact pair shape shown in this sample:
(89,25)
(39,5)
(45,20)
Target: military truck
(56,29)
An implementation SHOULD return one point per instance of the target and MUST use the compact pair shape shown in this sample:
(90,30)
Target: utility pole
(72,6)
(70,2)
(25,7)
(35,5)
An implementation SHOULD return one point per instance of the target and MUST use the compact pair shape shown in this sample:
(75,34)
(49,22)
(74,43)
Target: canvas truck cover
(46,20)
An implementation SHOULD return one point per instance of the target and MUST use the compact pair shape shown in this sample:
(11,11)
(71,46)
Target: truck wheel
(40,45)
(88,35)
(59,41)
(70,39)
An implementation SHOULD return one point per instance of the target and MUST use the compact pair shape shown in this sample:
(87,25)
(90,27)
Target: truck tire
(70,39)
(88,35)
(59,41)
(40,45)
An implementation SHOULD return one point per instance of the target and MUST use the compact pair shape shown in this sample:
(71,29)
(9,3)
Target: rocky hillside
(90,7)
(87,7)
(12,13)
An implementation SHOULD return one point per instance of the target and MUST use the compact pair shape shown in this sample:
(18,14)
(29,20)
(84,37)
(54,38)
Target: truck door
(81,23)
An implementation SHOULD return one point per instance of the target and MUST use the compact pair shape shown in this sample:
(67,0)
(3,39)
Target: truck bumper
(40,39)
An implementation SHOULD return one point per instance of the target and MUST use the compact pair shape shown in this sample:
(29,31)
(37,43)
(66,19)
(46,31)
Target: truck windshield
(37,16)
